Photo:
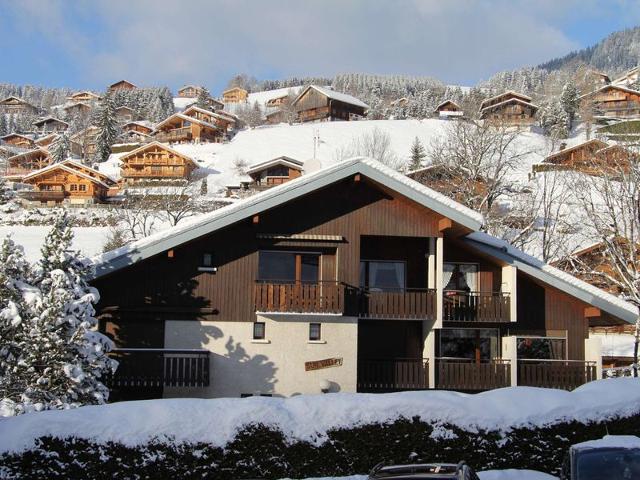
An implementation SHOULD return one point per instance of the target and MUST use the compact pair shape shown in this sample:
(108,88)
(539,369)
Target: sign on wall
(320,364)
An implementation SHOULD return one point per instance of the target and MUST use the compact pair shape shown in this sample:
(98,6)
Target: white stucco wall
(274,366)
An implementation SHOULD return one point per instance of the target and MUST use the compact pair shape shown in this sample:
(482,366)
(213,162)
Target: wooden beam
(590,312)
(256,219)
(356,177)
(444,223)
(170,253)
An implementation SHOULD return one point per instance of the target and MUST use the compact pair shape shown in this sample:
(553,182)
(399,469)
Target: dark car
(615,457)
(419,471)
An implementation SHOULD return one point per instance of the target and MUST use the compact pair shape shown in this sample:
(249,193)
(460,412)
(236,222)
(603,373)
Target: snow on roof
(508,92)
(310,417)
(125,107)
(16,134)
(84,92)
(575,147)
(282,160)
(207,223)
(610,441)
(180,103)
(13,97)
(219,114)
(340,97)
(141,123)
(184,117)
(68,166)
(446,102)
(49,119)
(75,105)
(30,152)
(508,100)
(610,85)
(123,81)
(553,276)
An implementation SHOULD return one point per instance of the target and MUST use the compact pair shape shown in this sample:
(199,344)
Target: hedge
(262,452)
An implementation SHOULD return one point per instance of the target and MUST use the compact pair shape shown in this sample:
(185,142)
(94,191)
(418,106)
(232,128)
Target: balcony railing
(562,374)
(466,374)
(393,374)
(175,135)
(460,306)
(149,367)
(43,196)
(317,297)
(404,304)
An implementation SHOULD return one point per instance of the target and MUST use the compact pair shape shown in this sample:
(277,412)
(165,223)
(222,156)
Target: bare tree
(375,144)
(174,204)
(135,217)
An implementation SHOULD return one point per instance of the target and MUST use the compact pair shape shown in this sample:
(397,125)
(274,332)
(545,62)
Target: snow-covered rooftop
(340,97)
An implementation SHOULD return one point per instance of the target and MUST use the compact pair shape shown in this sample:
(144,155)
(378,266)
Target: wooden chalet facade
(18,140)
(125,114)
(353,267)
(190,91)
(79,109)
(121,85)
(17,105)
(509,108)
(449,109)
(235,95)
(84,97)
(155,161)
(67,182)
(50,125)
(83,143)
(275,172)
(614,101)
(47,140)
(322,104)
(194,124)
(25,163)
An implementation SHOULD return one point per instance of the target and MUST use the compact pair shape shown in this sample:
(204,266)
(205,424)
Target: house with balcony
(17,105)
(67,182)
(449,109)
(316,104)
(614,101)
(190,91)
(84,97)
(25,163)
(79,109)
(235,95)
(155,161)
(353,276)
(275,171)
(18,141)
(509,108)
(50,125)
(194,124)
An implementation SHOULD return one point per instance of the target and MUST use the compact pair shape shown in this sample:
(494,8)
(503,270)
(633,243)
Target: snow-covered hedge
(305,436)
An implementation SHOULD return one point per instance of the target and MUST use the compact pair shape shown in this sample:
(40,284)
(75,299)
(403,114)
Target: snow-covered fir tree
(60,148)
(203,98)
(63,360)
(107,124)
(418,154)
(569,99)
(204,188)
(554,120)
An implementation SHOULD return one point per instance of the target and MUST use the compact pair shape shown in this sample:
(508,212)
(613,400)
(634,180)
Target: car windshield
(615,464)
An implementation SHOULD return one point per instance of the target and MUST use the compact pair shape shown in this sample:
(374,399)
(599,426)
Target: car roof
(417,471)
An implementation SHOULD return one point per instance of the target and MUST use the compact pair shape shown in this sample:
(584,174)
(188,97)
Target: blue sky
(91,43)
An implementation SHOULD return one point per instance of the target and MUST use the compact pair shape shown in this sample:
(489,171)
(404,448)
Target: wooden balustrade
(561,374)
(393,374)
(175,135)
(459,306)
(320,297)
(148,367)
(46,195)
(465,374)
(401,304)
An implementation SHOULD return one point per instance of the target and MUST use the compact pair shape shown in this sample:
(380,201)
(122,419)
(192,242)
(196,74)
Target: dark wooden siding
(489,273)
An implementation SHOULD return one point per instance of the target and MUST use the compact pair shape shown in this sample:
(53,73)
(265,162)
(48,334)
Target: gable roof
(281,160)
(184,117)
(610,86)
(220,114)
(511,93)
(278,195)
(84,92)
(593,141)
(76,168)
(196,87)
(507,101)
(50,136)
(76,105)
(552,276)
(49,119)
(20,100)
(125,107)
(445,103)
(155,143)
(127,82)
(332,94)
(16,134)
(140,123)
(233,89)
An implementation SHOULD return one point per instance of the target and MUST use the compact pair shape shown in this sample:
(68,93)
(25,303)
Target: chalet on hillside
(449,109)
(69,182)
(22,164)
(277,101)
(84,97)
(121,85)
(323,104)
(190,91)
(599,78)
(614,101)
(17,105)
(125,114)
(275,171)
(628,78)
(79,109)
(18,140)
(275,117)
(593,157)
(509,108)
(235,95)
(47,140)
(353,275)
(155,161)
(83,143)
(138,127)
(194,124)
(50,125)
(221,119)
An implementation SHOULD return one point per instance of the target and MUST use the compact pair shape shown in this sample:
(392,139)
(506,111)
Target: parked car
(614,457)
(449,471)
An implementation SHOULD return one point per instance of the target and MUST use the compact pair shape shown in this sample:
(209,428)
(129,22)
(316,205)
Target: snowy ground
(89,240)
(488,475)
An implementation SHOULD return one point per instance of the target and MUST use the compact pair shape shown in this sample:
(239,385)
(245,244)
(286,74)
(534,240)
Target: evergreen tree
(60,148)
(108,129)
(204,98)
(63,358)
(6,193)
(4,127)
(554,120)
(418,154)
(569,99)
(204,187)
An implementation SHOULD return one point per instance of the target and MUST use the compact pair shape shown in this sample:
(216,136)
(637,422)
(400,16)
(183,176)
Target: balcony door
(470,344)
(276,266)
(383,275)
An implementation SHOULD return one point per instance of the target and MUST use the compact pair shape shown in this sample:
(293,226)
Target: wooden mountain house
(190,91)
(121,85)
(23,164)
(316,103)
(125,114)
(275,172)
(17,105)
(79,109)
(68,182)
(235,95)
(50,125)
(614,101)
(194,124)
(509,108)
(18,140)
(449,109)
(155,161)
(83,97)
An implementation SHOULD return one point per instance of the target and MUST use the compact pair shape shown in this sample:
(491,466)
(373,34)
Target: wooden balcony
(471,375)
(43,196)
(402,304)
(459,306)
(176,135)
(148,367)
(561,374)
(388,375)
(320,297)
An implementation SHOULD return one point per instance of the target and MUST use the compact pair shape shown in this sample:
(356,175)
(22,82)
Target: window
(541,348)
(207,260)
(315,332)
(469,343)
(288,267)
(383,276)
(82,188)
(258,331)
(73,187)
(462,277)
